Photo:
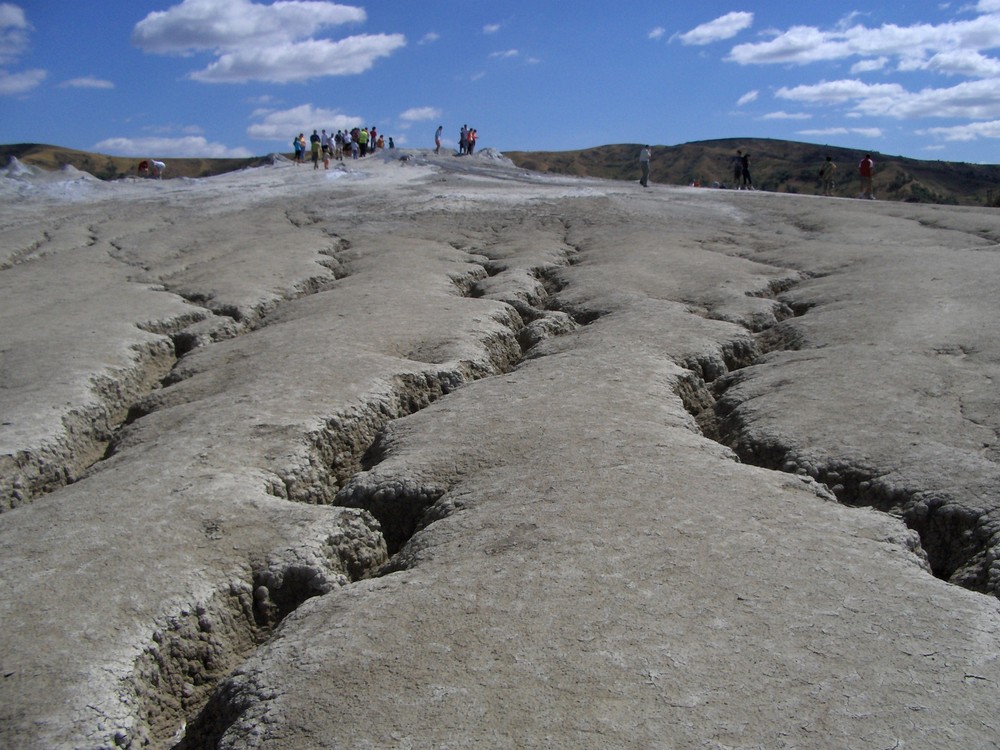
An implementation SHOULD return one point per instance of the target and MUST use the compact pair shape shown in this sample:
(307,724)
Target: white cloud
(866,132)
(275,43)
(969,132)
(429,38)
(196,25)
(300,61)
(505,54)
(838,92)
(87,82)
(866,66)
(787,116)
(420,114)
(14,28)
(20,83)
(975,100)
(967,63)
(657,33)
(724,27)
(910,45)
(191,146)
(286,124)
(491,28)
(750,96)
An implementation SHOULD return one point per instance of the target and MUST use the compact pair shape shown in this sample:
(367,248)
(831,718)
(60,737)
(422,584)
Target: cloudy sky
(242,77)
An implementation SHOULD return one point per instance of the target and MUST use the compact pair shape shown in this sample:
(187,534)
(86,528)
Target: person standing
(470,141)
(314,146)
(644,157)
(827,173)
(462,142)
(437,139)
(745,172)
(865,171)
(737,168)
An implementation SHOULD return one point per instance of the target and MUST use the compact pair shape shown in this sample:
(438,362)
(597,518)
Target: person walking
(866,169)
(644,156)
(827,173)
(437,139)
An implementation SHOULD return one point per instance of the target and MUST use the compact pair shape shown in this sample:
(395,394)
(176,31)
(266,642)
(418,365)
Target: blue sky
(242,77)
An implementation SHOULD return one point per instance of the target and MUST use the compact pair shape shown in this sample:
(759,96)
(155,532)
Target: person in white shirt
(644,157)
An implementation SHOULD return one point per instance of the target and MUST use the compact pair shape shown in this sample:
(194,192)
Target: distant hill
(778,166)
(113,167)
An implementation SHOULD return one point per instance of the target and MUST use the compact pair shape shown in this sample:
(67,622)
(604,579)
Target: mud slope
(477,466)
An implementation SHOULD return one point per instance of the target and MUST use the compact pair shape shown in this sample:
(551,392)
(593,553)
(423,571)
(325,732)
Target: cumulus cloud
(254,42)
(14,28)
(969,132)
(909,45)
(283,125)
(724,27)
(190,146)
(420,114)
(977,100)
(867,66)
(87,82)
(300,61)
(20,83)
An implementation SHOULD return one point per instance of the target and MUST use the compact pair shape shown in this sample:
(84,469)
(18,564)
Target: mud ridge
(348,447)
(958,541)
(90,431)
(200,644)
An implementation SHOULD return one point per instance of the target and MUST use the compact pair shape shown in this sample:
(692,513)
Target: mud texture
(506,461)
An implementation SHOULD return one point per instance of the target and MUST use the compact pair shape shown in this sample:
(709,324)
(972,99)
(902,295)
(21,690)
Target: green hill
(779,166)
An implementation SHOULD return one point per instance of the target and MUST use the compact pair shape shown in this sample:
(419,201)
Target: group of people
(866,170)
(466,140)
(743,181)
(357,143)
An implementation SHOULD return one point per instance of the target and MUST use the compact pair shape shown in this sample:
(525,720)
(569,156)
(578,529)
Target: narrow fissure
(91,431)
(337,473)
(954,538)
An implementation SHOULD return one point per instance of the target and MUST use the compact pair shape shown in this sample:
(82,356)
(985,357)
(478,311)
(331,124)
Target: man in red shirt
(865,169)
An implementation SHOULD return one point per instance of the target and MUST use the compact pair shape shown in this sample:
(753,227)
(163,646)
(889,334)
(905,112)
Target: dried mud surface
(440,453)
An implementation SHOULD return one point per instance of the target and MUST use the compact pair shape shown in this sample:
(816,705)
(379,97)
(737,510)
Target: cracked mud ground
(445,454)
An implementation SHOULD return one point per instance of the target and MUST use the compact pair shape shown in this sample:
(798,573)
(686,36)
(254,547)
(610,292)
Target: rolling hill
(779,166)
